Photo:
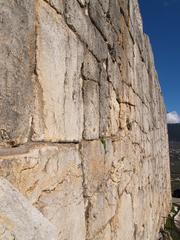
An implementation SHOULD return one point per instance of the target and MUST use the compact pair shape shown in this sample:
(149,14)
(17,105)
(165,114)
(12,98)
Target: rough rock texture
(83,124)
(17,62)
(19,219)
(51,177)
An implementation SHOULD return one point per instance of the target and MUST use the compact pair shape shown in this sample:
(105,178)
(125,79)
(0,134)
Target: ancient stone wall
(82,120)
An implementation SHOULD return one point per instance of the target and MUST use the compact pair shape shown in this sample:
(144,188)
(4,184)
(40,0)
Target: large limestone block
(79,21)
(91,110)
(124,4)
(93,155)
(100,190)
(149,54)
(51,178)
(98,17)
(109,107)
(59,104)
(90,70)
(137,26)
(138,73)
(127,42)
(104,99)
(124,163)
(114,12)
(114,76)
(101,208)
(122,223)
(19,219)
(17,55)
(114,111)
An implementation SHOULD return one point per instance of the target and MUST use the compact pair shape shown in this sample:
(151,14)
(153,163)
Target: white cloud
(173,117)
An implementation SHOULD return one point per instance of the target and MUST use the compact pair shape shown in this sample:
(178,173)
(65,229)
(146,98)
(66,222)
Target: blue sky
(161,19)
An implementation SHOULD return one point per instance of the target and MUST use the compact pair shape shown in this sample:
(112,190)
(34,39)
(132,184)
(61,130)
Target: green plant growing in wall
(103,141)
(170,225)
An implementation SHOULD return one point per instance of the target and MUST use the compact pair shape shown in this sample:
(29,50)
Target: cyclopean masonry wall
(83,124)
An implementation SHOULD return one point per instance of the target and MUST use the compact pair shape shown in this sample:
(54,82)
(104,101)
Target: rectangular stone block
(101,208)
(99,19)
(100,190)
(91,110)
(136,21)
(17,64)
(122,223)
(127,41)
(114,112)
(138,75)
(79,22)
(114,76)
(59,104)
(51,178)
(105,119)
(90,69)
(114,14)
(109,107)
(93,154)
(149,60)
(124,5)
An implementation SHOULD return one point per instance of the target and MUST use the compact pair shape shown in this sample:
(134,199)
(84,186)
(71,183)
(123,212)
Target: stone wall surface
(19,219)
(83,124)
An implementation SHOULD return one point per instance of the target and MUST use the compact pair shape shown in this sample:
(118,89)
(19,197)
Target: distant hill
(174,148)
(174,132)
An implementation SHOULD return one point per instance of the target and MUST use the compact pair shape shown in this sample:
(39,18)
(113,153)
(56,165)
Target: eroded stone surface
(17,63)
(51,178)
(59,109)
(19,219)
(58,5)
(123,227)
(95,87)
(91,110)
(90,70)
(78,20)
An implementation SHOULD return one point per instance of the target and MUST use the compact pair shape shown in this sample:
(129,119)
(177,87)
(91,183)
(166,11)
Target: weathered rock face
(19,219)
(83,124)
